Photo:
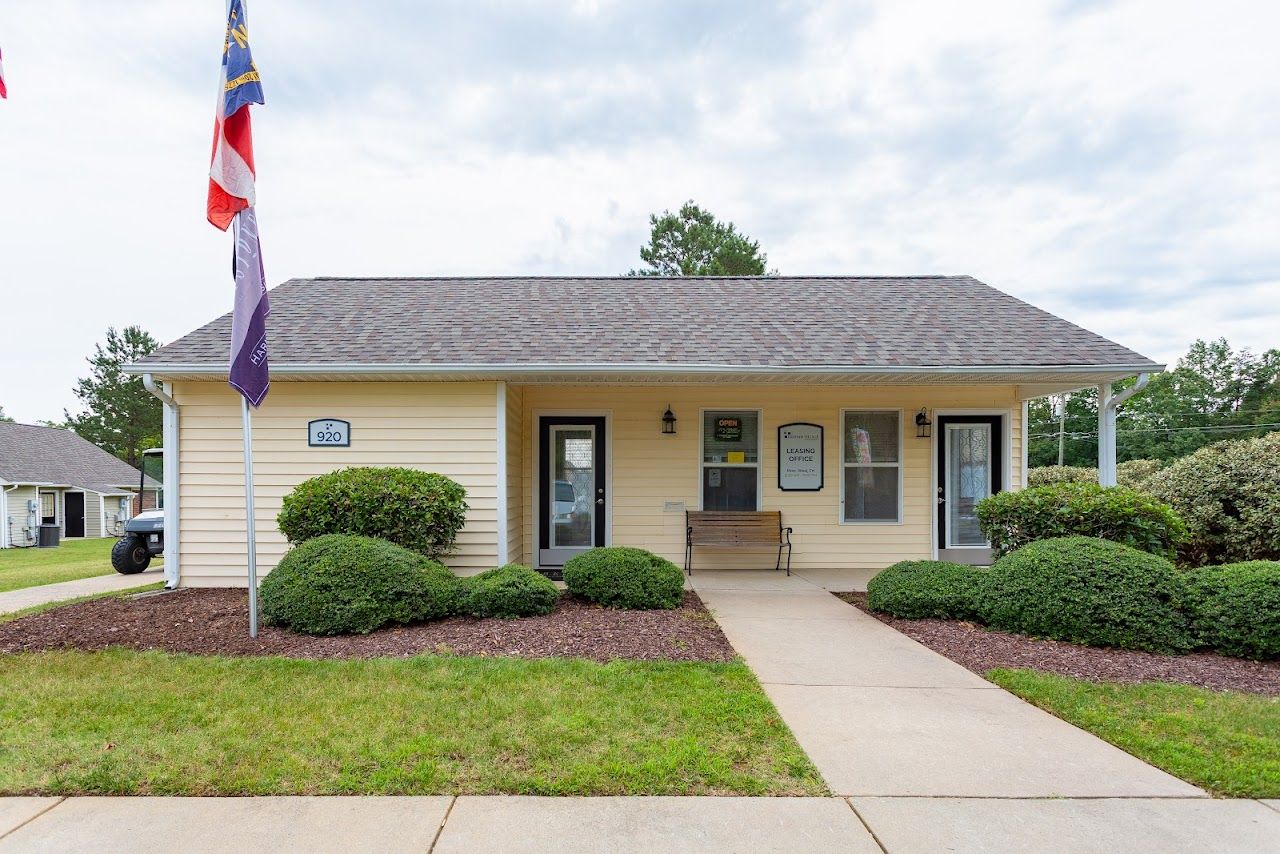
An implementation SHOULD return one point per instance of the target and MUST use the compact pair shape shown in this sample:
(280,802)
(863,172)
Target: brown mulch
(215,622)
(981,650)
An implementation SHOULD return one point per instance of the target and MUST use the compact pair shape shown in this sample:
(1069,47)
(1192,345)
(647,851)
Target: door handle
(599,500)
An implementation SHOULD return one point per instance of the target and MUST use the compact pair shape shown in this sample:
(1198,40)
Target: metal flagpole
(250,528)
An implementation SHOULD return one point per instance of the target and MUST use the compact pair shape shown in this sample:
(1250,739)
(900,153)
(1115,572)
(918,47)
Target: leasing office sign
(800,457)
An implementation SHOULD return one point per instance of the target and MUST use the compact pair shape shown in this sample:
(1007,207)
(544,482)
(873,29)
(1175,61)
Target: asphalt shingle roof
(31,454)
(776,321)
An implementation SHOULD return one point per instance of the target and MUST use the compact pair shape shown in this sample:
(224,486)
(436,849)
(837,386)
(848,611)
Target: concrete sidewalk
(882,715)
(29,597)
(525,825)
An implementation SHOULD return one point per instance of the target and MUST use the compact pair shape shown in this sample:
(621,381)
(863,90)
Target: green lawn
(122,722)
(73,559)
(1226,742)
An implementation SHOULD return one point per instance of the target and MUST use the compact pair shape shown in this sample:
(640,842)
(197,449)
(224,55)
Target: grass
(72,560)
(49,606)
(121,722)
(1225,742)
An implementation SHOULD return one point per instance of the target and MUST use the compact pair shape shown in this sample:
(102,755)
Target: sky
(1112,162)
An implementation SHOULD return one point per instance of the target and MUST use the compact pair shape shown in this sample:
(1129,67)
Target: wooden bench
(736,529)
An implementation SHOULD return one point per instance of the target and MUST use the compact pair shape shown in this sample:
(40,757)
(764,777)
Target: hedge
(1050,475)
(1228,493)
(1089,591)
(1236,608)
(510,591)
(1010,520)
(624,577)
(926,588)
(345,584)
(419,510)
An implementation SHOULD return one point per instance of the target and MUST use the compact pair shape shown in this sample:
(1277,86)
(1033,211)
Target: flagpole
(251,538)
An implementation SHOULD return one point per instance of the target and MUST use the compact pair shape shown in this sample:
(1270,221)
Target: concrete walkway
(28,597)
(525,825)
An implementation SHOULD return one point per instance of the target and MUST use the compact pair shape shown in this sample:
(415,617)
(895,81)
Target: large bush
(1236,608)
(415,509)
(1138,474)
(926,588)
(1010,520)
(624,577)
(1228,494)
(510,591)
(1089,591)
(1050,475)
(343,584)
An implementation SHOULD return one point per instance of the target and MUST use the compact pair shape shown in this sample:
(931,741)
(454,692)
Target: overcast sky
(1112,162)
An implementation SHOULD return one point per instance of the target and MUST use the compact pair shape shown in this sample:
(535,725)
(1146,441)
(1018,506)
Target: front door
(73,508)
(970,467)
(572,504)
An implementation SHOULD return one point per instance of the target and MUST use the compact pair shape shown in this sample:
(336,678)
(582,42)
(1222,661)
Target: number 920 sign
(329,433)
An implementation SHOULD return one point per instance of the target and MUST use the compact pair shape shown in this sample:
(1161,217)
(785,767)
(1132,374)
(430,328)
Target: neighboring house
(51,476)
(898,403)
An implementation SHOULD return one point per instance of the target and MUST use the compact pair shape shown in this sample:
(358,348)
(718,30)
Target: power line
(1230,428)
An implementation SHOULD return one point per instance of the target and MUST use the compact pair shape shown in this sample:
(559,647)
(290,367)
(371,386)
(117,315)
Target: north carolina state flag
(231,174)
(4,93)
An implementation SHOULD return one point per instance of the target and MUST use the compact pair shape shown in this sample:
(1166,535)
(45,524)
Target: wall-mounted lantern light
(668,422)
(924,427)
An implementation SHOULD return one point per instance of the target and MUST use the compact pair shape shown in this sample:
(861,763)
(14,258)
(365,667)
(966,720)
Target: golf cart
(143,534)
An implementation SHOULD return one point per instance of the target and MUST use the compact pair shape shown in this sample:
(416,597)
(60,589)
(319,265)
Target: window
(872,463)
(48,514)
(731,460)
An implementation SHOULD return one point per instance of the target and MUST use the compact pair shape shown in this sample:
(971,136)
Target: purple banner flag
(249,374)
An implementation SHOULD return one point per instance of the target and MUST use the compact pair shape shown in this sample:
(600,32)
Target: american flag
(4,93)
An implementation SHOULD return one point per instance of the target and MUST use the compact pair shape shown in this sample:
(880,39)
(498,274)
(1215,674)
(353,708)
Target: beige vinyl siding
(649,469)
(450,428)
(92,514)
(16,515)
(515,474)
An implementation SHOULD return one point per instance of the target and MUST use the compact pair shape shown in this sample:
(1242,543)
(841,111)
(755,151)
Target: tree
(1213,393)
(120,415)
(4,417)
(694,243)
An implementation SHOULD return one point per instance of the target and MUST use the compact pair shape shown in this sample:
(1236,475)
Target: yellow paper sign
(736,457)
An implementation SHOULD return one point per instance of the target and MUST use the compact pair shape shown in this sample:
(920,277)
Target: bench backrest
(734,527)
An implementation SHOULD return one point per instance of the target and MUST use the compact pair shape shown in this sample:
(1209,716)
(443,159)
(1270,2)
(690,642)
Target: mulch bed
(215,622)
(981,650)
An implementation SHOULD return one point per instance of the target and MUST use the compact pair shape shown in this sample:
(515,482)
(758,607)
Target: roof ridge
(617,277)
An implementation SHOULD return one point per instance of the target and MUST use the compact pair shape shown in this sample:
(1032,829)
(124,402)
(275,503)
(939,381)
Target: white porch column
(501,510)
(1106,436)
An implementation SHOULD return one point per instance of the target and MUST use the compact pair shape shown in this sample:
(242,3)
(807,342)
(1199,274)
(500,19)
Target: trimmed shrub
(1089,591)
(1236,608)
(926,588)
(343,584)
(623,577)
(1137,474)
(418,510)
(1050,475)
(1228,493)
(1010,520)
(510,591)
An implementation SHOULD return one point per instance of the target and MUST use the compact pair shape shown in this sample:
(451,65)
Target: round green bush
(1236,608)
(1138,474)
(419,510)
(1088,591)
(343,584)
(623,577)
(1228,493)
(511,591)
(1010,520)
(926,588)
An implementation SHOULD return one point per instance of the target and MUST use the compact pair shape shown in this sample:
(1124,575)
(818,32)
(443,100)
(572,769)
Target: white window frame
(702,450)
(900,465)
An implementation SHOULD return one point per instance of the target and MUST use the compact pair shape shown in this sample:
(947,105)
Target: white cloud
(1111,162)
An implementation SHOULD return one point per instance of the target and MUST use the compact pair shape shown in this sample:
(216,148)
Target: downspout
(500,418)
(171,517)
(6,533)
(1108,404)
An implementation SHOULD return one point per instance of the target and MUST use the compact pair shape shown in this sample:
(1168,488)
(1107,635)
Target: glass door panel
(572,487)
(968,469)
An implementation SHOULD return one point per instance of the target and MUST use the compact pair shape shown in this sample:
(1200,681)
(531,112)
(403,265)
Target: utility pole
(1060,410)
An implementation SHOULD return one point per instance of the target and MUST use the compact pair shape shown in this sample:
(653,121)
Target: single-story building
(873,412)
(51,476)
